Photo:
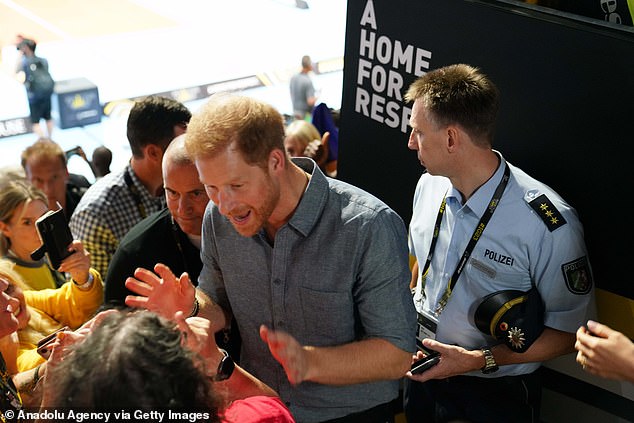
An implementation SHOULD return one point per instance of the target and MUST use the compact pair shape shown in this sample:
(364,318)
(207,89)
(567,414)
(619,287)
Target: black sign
(566,86)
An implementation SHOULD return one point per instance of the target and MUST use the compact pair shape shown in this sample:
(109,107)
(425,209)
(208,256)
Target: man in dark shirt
(170,236)
(45,166)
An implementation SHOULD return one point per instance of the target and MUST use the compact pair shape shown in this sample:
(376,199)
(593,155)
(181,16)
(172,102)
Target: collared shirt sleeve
(97,237)
(382,294)
(563,276)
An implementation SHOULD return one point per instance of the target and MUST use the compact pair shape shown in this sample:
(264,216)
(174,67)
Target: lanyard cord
(136,195)
(175,233)
(477,233)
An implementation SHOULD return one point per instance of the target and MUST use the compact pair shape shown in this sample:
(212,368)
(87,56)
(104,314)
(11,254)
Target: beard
(258,216)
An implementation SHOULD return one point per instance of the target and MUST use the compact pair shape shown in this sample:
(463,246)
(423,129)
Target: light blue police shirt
(515,248)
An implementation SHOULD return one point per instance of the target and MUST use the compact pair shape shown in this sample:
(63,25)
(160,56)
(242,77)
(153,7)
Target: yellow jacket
(52,309)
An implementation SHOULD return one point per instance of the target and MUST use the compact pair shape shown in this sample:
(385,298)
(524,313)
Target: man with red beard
(312,266)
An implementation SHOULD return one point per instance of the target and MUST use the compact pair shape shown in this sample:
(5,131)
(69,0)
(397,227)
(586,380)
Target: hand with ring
(605,352)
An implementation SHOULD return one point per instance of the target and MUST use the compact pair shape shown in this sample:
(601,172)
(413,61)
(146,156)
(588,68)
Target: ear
(154,153)
(277,160)
(4,228)
(453,138)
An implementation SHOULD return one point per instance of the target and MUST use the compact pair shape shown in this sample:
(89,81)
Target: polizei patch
(578,276)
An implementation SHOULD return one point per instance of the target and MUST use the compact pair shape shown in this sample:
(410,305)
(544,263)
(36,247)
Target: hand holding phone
(44,345)
(56,237)
(425,363)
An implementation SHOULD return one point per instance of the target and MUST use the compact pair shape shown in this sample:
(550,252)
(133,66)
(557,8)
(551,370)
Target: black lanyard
(477,233)
(136,195)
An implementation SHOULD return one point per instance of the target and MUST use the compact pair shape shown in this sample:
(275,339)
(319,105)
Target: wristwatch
(490,366)
(225,367)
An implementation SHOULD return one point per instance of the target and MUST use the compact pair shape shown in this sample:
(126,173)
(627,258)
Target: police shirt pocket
(328,317)
(494,278)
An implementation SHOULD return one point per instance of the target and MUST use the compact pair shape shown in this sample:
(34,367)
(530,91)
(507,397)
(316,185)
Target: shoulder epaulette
(548,212)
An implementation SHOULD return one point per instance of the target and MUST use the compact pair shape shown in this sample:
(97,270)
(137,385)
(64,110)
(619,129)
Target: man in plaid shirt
(119,200)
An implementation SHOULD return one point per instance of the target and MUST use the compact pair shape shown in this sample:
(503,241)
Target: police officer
(481,225)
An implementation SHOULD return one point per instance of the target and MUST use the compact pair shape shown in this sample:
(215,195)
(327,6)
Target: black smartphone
(425,363)
(56,237)
(44,344)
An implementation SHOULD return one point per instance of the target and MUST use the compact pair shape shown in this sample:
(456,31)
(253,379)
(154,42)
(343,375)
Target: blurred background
(112,51)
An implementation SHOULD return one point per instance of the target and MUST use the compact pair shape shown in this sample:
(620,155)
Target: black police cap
(512,316)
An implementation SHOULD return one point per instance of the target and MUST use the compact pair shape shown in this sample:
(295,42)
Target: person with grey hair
(143,364)
(303,91)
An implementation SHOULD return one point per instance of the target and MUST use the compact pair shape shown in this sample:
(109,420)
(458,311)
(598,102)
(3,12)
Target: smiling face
(246,194)
(21,230)
(185,195)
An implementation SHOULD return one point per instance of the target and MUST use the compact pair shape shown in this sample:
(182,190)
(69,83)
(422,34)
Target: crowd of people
(226,273)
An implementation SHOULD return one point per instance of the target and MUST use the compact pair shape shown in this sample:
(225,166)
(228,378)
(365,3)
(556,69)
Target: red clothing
(258,409)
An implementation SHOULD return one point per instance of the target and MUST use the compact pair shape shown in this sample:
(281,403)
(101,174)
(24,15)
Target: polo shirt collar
(312,203)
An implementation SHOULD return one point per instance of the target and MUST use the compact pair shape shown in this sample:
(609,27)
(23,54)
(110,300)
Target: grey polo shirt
(338,272)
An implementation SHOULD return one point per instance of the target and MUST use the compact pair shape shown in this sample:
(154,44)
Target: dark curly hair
(134,361)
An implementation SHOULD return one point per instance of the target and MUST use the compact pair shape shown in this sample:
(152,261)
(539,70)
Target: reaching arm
(605,352)
(200,339)
(456,360)
(29,385)
(356,362)
(166,295)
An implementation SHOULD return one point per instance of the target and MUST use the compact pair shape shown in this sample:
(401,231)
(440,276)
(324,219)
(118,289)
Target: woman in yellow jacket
(45,311)
(21,204)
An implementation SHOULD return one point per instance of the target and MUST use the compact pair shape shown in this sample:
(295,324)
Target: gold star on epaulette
(548,212)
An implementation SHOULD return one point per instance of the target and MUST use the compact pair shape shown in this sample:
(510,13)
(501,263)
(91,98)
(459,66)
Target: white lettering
(377,108)
(384,49)
(369,16)
(400,56)
(363,100)
(395,85)
(363,73)
(379,79)
(367,43)
(420,62)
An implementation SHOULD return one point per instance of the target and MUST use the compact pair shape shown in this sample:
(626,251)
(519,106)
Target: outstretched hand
(161,292)
(288,352)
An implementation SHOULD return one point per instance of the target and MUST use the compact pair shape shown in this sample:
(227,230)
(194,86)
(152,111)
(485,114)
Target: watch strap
(490,366)
(225,367)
